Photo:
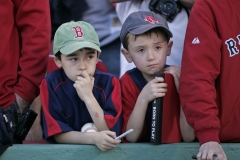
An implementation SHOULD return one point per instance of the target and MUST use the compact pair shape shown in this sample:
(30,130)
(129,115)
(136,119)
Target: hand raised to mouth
(84,85)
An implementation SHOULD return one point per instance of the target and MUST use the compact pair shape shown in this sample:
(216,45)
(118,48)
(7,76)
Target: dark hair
(58,54)
(157,31)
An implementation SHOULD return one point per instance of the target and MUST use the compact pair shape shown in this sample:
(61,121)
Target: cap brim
(73,47)
(144,28)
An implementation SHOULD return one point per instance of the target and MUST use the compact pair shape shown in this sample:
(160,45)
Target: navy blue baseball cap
(142,21)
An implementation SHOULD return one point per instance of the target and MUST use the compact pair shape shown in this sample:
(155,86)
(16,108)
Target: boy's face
(148,53)
(77,62)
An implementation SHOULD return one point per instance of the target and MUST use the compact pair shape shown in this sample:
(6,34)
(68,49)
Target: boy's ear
(170,44)
(57,62)
(126,55)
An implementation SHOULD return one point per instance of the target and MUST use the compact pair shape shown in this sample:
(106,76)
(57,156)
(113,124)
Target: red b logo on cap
(151,19)
(78,32)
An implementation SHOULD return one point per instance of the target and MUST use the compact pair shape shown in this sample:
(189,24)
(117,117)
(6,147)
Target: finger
(174,73)
(106,148)
(204,155)
(162,85)
(85,75)
(114,141)
(161,88)
(199,156)
(77,84)
(106,145)
(173,68)
(168,69)
(112,144)
(111,134)
(219,156)
(92,79)
(111,139)
(161,91)
(158,79)
(210,155)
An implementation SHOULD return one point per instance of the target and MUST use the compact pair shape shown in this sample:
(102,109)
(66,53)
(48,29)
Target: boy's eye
(140,50)
(90,57)
(73,59)
(158,47)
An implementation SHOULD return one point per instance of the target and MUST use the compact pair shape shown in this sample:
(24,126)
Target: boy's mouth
(80,75)
(152,65)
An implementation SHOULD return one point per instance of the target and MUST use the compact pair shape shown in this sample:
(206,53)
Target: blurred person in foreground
(25,44)
(209,81)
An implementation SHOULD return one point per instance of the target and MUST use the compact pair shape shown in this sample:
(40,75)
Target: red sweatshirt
(24,47)
(210,78)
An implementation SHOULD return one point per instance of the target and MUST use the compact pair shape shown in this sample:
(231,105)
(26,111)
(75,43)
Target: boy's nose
(150,55)
(82,65)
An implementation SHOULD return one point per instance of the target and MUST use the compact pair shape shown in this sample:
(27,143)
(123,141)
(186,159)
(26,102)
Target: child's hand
(84,85)
(154,89)
(175,71)
(106,140)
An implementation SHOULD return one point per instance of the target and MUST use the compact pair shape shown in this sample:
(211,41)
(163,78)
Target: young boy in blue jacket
(77,93)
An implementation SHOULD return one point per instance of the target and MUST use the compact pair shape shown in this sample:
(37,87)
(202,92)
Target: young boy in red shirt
(145,38)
